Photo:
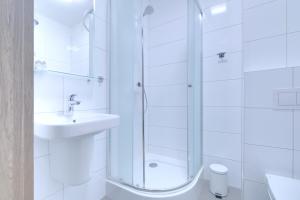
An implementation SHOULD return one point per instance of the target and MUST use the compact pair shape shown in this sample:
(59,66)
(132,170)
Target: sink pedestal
(70,159)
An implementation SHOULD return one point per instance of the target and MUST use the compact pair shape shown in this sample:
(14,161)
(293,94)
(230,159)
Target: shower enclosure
(155,79)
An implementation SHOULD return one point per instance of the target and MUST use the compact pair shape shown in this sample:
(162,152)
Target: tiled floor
(234,194)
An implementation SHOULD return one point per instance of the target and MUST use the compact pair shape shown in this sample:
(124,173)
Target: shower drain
(153,165)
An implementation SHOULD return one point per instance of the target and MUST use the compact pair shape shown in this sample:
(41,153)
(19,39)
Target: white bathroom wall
(166,78)
(222,86)
(51,90)
(271,61)
(261,39)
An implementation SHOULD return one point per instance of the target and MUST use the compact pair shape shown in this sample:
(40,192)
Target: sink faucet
(71,103)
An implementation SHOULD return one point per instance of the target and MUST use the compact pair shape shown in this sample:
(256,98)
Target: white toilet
(283,188)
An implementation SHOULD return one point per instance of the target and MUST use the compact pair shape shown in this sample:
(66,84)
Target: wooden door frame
(16,100)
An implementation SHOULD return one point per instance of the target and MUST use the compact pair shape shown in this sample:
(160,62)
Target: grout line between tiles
(167,22)
(264,38)
(222,28)
(218,157)
(223,80)
(259,5)
(270,147)
(166,43)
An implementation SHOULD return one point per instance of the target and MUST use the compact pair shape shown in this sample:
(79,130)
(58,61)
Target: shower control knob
(139,84)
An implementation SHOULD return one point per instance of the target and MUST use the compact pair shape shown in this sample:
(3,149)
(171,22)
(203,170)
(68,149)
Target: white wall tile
(269,127)
(44,185)
(232,16)
(297,130)
(251,3)
(171,138)
(166,11)
(214,70)
(224,40)
(259,160)
(265,20)
(293,23)
(167,74)
(159,34)
(41,147)
(167,54)
(169,95)
(222,119)
(234,174)
(48,93)
(260,86)
(222,145)
(297,77)
(222,93)
(297,164)
(175,117)
(293,48)
(264,54)
(255,191)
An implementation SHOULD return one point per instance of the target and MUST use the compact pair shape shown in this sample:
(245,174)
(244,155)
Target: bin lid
(218,169)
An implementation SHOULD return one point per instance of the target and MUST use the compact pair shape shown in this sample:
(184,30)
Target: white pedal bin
(218,180)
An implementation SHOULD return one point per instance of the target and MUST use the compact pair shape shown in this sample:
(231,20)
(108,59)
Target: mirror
(62,36)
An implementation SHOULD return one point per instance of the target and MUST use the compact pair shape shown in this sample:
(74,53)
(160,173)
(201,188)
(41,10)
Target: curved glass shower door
(195,111)
(156,88)
(125,95)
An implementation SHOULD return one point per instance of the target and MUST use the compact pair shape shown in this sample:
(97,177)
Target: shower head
(149,10)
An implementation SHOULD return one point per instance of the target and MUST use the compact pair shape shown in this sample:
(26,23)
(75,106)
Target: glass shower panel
(195,88)
(156,88)
(125,95)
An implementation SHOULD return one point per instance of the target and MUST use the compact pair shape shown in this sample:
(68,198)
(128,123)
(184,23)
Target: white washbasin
(71,142)
(59,126)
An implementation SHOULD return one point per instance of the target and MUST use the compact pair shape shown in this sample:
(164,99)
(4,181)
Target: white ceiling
(68,12)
